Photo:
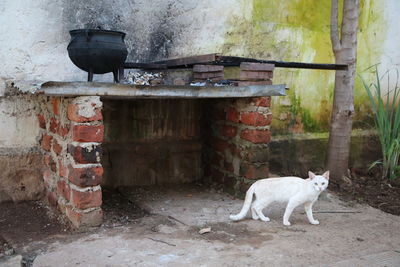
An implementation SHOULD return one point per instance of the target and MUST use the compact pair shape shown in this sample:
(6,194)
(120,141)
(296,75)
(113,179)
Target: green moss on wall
(298,30)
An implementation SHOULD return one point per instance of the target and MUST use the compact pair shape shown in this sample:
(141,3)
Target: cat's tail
(246,205)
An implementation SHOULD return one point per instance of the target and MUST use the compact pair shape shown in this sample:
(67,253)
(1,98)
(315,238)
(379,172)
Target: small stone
(205,230)
(9,252)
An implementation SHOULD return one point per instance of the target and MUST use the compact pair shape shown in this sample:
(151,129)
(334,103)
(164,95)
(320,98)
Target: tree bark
(345,50)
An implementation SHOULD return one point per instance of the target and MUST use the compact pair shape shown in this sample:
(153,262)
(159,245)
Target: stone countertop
(124,91)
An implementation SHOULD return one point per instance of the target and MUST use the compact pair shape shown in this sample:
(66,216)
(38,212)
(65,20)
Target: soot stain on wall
(150,27)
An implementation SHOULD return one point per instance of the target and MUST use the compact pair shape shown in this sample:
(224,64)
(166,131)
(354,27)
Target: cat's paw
(265,219)
(255,216)
(287,223)
(315,222)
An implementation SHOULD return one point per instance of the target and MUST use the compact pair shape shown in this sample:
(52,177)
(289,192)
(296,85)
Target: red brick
(42,121)
(84,155)
(57,148)
(88,133)
(269,118)
(73,114)
(262,101)
(219,145)
(63,130)
(232,115)
(64,190)
(54,125)
(252,171)
(84,219)
(256,136)
(46,142)
(255,119)
(49,162)
(56,106)
(87,199)
(62,169)
(229,131)
(85,176)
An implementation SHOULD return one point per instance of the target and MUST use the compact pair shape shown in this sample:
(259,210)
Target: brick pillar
(240,133)
(71,142)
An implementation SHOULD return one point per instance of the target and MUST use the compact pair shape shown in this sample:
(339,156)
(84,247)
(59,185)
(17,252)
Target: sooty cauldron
(97,51)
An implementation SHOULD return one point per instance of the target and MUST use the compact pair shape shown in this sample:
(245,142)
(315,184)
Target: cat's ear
(311,175)
(326,175)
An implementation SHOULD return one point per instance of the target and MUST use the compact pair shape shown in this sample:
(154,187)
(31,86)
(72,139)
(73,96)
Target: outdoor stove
(104,134)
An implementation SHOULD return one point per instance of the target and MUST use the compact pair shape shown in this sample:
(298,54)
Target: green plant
(387,121)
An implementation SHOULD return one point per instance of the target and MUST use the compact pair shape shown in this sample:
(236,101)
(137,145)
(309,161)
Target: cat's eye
(323,183)
(316,183)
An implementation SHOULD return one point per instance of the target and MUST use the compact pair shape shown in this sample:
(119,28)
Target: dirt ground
(160,227)
(370,188)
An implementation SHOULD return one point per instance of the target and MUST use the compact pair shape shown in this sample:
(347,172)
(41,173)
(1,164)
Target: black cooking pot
(97,51)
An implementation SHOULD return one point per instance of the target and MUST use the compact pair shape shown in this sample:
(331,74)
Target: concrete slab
(112,90)
(169,236)
(383,259)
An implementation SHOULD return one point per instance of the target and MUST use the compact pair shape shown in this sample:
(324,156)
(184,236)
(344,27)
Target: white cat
(294,190)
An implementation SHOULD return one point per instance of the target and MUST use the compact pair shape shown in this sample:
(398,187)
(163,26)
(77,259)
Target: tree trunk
(345,51)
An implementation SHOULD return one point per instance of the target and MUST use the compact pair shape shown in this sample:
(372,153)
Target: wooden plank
(207,75)
(124,91)
(255,75)
(254,66)
(207,68)
(188,61)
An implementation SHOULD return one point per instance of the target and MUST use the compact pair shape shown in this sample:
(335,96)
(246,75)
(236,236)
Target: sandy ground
(356,235)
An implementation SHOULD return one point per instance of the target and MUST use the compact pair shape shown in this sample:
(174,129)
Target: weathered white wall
(34,35)
(18,123)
